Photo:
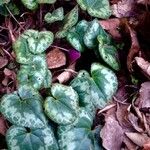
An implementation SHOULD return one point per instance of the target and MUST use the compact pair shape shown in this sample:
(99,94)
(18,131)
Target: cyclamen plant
(72,107)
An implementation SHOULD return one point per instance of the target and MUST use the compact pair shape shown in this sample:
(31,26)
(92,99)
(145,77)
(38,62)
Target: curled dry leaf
(3,62)
(144,65)
(144,2)
(124,8)
(112,134)
(3,126)
(55,59)
(67,74)
(138,138)
(143,100)
(112,25)
(135,48)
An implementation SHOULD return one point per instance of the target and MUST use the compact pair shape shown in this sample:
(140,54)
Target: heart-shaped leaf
(19,138)
(76,34)
(56,15)
(98,89)
(34,73)
(38,42)
(24,108)
(96,8)
(31,42)
(62,107)
(69,21)
(77,139)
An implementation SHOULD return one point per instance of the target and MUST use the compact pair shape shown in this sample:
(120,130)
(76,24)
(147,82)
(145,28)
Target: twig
(14,18)
(59,48)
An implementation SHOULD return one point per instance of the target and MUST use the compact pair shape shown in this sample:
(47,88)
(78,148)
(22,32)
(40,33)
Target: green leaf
(96,8)
(62,106)
(35,73)
(105,79)
(24,108)
(30,4)
(48,79)
(76,34)
(110,55)
(90,36)
(33,4)
(11,7)
(82,86)
(46,1)
(4,2)
(19,138)
(56,15)
(98,89)
(77,139)
(69,21)
(31,42)
(37,41)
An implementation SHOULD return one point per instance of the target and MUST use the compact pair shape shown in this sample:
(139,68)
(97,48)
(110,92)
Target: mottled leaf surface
(19,138)
(69,21)
(96,8)
(24,108)
(98,89)
(62,107)
(56,15)
(34,73)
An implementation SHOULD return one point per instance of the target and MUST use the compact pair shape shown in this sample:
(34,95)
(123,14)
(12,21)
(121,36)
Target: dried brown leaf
(143,101)
(135,48)
(138,138)
(124,8)
(3,62)
(55,59)
(67,74)
(112,25)
(144,65)
(112,134)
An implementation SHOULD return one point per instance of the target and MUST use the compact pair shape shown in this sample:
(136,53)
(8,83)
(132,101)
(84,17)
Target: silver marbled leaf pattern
(35,73)
(96,8)
(24,108)
(69,21)
(62,106)
(18,138)
(98,89)
(56,15)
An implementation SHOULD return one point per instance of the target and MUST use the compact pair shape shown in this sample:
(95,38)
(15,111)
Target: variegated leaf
(90,36)
(99,88)
(56,15)
(110,55)
(62,107)
(34,73)
(24,108)
(105,79)
(30,4)
(37,41)
(76,34)
(69,21)
(78,139)
(19,138)
(46,1)
(33,4)
(31,42)
(96,8)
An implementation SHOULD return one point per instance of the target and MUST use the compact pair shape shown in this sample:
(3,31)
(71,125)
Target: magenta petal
(74,55)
